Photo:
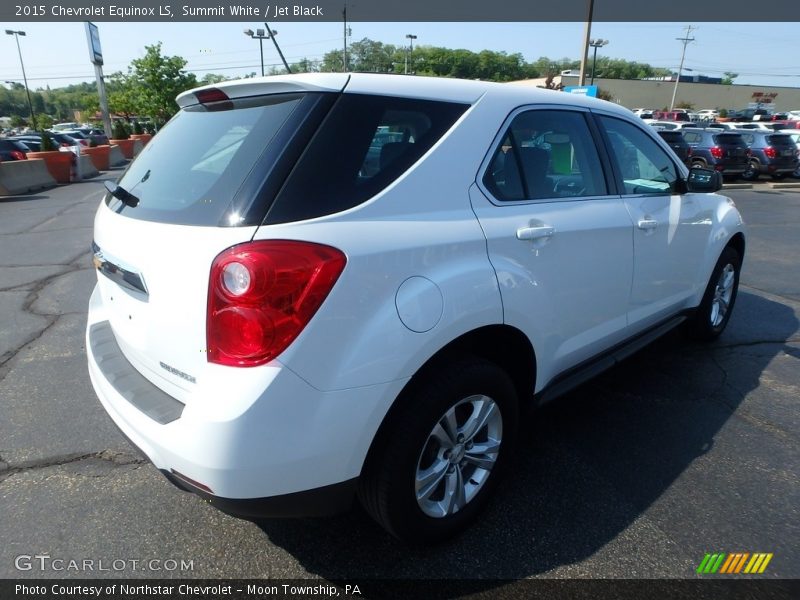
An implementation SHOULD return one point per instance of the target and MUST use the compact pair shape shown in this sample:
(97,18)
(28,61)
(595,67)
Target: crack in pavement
(33,295)
(116,458)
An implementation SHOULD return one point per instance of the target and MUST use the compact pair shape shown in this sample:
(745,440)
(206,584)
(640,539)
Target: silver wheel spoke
(429,479)
(454,497)
(441,435)
(483,455)
(448,422)
(483,411)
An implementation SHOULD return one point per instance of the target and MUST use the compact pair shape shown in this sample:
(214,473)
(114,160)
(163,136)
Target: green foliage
(119,130)
(729,77)
(209,78)
(137,128)
(17,121)
(723,112)
(47,143)
(605,95)
(157,80)
(44,121)
(684,104)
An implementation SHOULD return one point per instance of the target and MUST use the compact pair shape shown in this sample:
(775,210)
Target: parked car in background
(725,125)
(13,150)
(98,136)
(320,332)
(795,135)
(680,147)
(69,137)
(707,114)
(722,151)
(771,153)
(673,115)
(759,125)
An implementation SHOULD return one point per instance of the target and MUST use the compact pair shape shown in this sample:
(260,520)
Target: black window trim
(681,170)
(605,165)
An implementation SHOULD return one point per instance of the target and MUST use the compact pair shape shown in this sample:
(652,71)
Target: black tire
(387,486)
(705,324)
(752,173)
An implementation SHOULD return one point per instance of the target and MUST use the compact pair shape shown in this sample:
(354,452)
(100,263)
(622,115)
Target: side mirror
(704,180)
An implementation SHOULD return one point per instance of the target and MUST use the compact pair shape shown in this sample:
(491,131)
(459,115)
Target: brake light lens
(717,152)
(262,295)
(18,155)
(210,95)
(770,152)
(689,151)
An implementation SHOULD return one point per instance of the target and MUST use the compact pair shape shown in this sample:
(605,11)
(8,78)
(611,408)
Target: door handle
(647,224)
(535,233)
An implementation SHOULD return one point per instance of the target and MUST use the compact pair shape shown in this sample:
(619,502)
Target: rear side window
(364,144)
(671,137)
(692,137)
(190,173)
(546,154)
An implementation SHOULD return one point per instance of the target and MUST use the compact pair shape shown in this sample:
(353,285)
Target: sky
(56,54)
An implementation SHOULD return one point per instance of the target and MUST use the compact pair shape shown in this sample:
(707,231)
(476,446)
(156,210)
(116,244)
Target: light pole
(410,37)
(16,35)
(260,35)
(598,43)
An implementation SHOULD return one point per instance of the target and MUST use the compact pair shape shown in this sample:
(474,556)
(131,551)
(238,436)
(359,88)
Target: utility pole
(272,33)
(344,39)
(685,39)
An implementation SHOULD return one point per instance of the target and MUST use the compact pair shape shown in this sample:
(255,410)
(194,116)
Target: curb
(786,185)
(737,186)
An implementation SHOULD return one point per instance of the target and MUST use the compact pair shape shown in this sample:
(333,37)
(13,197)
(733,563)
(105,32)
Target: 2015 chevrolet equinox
(317,287)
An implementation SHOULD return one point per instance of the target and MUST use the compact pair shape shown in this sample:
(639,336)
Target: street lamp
(410,37)
(598,43)
(16,35)
(260,35)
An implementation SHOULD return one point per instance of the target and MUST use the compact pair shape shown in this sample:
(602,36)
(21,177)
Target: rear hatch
(784,151)
(203,184)
(734,150)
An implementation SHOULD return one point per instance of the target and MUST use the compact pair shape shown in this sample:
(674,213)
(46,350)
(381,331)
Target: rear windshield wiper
(121,194)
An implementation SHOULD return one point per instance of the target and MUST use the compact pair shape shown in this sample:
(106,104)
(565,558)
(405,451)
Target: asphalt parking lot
(682,450)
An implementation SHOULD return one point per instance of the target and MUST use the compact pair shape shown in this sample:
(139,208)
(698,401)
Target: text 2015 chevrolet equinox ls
(320,287)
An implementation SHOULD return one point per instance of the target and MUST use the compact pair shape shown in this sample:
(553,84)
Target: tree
(210,78)
(729,77)
(156,81)
(44,121)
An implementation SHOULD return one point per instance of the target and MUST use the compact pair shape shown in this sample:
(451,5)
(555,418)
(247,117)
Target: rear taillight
(770,152)
(717,152)
(689,151)
(65,144)
(17,155)
(262,294)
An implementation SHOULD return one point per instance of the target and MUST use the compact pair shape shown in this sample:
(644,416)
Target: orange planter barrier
(99,156)
(126,146)
(58,163)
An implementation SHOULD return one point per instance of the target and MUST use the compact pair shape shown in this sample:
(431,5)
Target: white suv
(317,287)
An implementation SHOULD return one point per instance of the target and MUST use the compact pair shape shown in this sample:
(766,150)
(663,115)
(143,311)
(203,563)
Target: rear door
(200,186)
(558,237)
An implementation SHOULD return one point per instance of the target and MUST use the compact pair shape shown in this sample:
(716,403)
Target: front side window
(645,167)
(546,154)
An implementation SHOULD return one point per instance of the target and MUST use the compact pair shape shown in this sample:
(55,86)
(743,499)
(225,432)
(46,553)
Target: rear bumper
(292,450)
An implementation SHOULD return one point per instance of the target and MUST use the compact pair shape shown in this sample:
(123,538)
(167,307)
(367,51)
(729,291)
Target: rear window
(779,140)
(729,139)
(191,172)
(364,144)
